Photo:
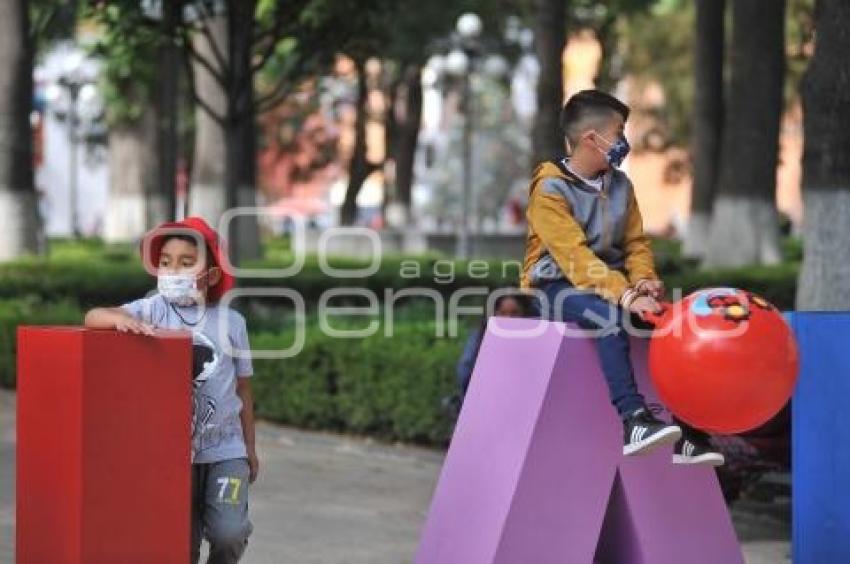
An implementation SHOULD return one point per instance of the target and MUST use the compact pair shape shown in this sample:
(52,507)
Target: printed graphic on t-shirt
(206,360)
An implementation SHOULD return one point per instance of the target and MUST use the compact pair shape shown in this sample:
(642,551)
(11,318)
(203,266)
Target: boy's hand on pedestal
(132,325)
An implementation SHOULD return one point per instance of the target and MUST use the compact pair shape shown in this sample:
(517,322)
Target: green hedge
(28,312)
(86,282)
(110,277)
(97,281)
(388,387)
(777,284)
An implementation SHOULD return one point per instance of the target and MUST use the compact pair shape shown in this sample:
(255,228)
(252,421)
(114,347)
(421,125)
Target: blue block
(821,439)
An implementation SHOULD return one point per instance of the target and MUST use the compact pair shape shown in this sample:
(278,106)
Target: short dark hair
(585,107)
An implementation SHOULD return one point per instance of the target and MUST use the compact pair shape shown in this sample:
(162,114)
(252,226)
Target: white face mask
(179,289)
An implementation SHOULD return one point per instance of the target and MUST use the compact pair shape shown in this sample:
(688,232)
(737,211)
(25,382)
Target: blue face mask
(617,151)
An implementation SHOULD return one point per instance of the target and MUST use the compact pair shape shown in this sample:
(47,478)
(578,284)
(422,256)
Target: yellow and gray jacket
(592,238)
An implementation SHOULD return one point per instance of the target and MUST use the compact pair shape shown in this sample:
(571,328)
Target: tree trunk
(240,135)
(550,38)
(744,225)
(207,197)
(132,187)
(610,70)
(394,103)
(18,200)
(707,120)
(825,277)
(408,120)
(163,202)
(224,176)
(359,167)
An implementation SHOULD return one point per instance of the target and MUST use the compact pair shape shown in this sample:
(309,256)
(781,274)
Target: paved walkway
(332,499)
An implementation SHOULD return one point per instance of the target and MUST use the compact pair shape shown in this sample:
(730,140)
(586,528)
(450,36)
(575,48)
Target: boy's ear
(214,276)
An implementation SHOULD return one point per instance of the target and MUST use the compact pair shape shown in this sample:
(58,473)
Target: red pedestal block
(103,448)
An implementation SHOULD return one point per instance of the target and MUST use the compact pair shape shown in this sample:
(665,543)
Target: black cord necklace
(184,320)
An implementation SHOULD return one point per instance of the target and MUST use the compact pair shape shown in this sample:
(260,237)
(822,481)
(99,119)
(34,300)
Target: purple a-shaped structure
(535,473)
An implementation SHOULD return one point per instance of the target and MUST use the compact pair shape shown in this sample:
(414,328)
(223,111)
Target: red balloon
(723,360)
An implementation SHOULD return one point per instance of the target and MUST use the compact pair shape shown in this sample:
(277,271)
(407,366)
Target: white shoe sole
(667,435)
(707,459)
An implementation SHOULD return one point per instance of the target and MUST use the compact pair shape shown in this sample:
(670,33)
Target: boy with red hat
(187,258)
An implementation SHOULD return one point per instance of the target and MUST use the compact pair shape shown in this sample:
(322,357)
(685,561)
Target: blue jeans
(590,311)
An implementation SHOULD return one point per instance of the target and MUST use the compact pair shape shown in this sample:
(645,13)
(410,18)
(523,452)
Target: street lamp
(461,62)
(469,25)
(81,102)
(457,63)
(459,57)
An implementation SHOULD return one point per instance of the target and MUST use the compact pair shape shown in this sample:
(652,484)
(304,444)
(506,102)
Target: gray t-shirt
(220,354)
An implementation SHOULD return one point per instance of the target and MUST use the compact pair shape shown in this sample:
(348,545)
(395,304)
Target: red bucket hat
(151,247)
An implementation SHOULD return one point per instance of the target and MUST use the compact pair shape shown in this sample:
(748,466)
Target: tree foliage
(51,20)
(657,46)
(128,45)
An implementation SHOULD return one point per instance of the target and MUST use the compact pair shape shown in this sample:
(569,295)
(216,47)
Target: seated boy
(587,253)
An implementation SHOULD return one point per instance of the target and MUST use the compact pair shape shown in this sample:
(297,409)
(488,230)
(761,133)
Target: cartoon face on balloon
(730,303)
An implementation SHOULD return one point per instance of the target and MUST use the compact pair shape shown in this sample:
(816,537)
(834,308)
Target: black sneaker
(696,450)
(642,432)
